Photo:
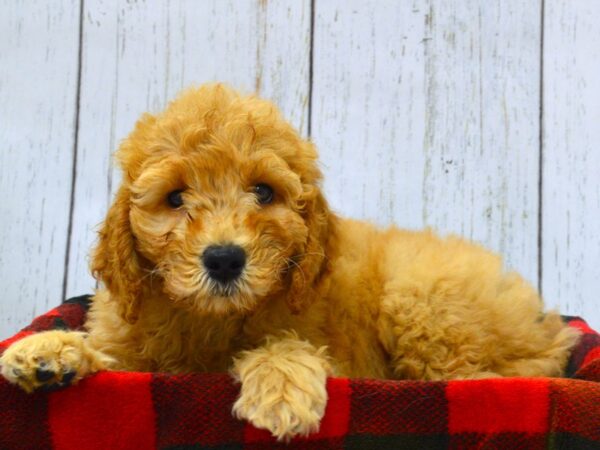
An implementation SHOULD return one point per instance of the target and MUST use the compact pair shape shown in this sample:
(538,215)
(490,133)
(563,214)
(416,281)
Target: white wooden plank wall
(474,117)
(38,88)
(571,157)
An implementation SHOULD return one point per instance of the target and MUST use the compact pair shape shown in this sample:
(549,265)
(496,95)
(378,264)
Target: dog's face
(221,224)
(219,208)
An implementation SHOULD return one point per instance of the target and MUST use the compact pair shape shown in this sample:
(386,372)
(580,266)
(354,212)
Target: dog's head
(219,208)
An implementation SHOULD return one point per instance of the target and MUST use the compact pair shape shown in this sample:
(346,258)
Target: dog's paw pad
(47,360)
(44,375)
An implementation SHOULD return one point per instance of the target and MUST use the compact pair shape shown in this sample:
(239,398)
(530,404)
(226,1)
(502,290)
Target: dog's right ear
(115,261)
(310,266)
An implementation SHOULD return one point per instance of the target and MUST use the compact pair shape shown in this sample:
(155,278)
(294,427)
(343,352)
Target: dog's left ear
(311,265)
(115,261)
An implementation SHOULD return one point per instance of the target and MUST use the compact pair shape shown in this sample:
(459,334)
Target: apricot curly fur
(359,301)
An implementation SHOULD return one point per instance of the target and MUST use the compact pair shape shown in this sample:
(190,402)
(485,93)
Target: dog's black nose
(224,262)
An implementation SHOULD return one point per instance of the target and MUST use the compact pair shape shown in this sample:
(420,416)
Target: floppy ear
(306,277)
(115,261)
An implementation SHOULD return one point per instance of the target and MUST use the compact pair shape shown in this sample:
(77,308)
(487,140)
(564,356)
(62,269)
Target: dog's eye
(174,199)
(264,193)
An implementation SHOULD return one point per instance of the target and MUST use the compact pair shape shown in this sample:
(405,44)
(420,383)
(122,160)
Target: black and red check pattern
(128,410)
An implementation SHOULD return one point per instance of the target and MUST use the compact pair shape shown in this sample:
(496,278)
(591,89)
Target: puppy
(219,253)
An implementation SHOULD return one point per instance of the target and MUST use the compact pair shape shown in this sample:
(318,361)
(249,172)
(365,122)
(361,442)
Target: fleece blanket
(127,410)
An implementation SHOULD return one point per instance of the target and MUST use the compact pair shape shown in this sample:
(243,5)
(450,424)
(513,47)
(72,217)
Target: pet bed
(122,410)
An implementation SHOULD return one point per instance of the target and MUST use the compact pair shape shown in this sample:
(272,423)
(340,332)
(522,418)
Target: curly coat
(319,294)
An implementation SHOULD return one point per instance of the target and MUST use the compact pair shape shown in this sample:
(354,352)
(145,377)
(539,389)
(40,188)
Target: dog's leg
(438,332)
(51,359)
(283,387)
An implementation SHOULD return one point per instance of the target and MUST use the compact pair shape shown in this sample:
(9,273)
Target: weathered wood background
(473,117)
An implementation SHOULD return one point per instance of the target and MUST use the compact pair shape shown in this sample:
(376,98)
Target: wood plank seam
(75,150)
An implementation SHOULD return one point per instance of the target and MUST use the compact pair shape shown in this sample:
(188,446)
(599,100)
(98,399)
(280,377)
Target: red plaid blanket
(126,410)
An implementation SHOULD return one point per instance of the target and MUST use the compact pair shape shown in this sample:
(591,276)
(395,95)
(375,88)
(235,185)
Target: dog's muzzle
(224,263)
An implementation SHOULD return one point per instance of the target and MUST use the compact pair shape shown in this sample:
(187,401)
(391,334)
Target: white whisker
(299,255)
(151,273)
(299,268)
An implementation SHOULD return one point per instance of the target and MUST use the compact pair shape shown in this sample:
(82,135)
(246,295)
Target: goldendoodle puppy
(219,253)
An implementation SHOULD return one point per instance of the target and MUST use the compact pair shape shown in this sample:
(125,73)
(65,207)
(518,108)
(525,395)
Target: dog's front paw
(283,388)
(50,359)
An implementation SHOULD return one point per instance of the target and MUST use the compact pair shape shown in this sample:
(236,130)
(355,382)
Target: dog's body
(394,305)
(296,294)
